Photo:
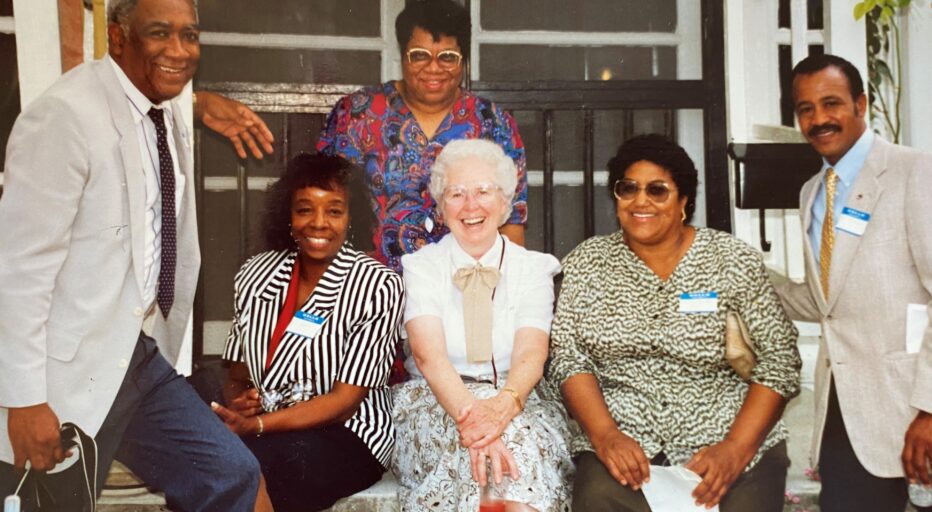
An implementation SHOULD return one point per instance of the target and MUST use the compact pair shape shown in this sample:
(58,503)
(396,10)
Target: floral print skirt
(434,471)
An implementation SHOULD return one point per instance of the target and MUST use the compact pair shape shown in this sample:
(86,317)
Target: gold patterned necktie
(828,230)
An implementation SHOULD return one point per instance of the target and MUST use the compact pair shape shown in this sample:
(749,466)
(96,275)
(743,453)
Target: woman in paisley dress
(478,315)
(394,131)
(638,348)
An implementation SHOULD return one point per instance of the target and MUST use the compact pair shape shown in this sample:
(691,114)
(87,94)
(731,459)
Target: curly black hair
(664,152)
(327,173)
(440,18)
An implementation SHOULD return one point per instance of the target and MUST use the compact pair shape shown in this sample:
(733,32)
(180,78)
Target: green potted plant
(884,62)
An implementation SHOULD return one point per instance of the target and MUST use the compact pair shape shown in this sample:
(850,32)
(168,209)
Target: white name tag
(305,324)
(853,221)
(699,302)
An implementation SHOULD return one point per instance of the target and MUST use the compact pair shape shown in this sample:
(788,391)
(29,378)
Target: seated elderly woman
(314,325)
(478,317)
(638,348)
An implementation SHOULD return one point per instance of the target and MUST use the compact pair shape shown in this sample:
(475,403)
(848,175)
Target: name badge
(305,324)
(699,302)
(853,221)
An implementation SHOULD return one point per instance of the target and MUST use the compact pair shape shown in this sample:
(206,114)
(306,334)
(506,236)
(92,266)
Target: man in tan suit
(99,262)
(868,249)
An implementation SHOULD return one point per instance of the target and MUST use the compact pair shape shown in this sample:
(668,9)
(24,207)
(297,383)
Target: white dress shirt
(148,150)
(523,298)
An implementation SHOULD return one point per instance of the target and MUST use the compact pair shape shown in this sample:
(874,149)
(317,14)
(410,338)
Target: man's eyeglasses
(484,194)
(446,59)
(657,191)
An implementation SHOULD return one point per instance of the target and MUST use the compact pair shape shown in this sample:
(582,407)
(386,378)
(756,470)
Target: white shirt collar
(461,258)
(139,101)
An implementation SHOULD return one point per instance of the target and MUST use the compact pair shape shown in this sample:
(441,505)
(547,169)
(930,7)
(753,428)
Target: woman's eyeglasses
(420,57)
(657,191)
(483,193)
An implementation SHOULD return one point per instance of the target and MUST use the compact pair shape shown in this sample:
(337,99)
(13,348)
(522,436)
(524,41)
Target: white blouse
(523,297)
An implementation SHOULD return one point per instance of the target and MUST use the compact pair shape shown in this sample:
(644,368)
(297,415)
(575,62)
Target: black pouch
(72,490)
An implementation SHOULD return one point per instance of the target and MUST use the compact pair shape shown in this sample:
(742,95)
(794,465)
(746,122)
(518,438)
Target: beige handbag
(739,348)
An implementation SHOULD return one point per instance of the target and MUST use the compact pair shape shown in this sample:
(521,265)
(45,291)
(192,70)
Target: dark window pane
(588,16)
(783,14)
(786,85)
(816,49)
(9,90)
(814,15)
(536,62)
(237,64)
(6,7)
(322,17)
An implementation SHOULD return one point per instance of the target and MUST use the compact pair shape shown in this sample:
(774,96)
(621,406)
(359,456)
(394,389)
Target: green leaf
(886,14)
(860,9)
(883,70)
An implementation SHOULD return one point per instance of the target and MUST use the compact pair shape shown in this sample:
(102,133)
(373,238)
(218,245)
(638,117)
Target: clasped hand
(483,421)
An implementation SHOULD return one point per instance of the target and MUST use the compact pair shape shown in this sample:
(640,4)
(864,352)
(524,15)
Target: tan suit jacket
(872,279)
(72,219)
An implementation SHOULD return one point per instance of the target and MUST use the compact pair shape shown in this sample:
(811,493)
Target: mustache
(823,127)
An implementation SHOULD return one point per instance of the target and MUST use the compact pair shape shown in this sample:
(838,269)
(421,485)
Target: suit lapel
(265,306)
(132,165)
(864,195)
(808,195)
(187,220)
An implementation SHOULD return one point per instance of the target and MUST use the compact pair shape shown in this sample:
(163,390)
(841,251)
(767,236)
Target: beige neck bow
(477,284)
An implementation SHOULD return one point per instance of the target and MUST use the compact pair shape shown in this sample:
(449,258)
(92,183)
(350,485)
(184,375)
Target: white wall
(38,53)
(918,76)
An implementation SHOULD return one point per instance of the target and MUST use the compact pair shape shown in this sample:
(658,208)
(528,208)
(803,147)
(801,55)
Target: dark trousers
(307,470)
(164,433)
(760,489)
(846,485)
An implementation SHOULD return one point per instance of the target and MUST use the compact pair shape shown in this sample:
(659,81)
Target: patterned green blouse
(663,372)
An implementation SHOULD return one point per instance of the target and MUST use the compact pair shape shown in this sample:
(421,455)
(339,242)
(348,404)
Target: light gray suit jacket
(872,279)
(72,220)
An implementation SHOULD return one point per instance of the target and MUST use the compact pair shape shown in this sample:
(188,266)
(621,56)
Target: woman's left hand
(236,422)
(482,422)
(719,466)
(503,463)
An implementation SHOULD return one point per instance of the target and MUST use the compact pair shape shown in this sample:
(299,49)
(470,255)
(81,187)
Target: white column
(38,49)
(845,36)
(917,74)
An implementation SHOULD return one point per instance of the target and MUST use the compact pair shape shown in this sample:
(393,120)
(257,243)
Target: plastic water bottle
(11,504)
(920,495)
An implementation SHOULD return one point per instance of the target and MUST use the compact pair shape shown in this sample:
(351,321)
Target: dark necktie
(166,292)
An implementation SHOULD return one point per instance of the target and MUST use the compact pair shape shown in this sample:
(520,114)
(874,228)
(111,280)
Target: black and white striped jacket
(361,301)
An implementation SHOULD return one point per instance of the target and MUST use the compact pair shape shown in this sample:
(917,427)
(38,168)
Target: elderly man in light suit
(868,251)
(98,266)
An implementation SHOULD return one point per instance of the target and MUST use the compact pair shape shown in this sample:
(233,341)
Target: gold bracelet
(261,426)
(515,396)
(194,98)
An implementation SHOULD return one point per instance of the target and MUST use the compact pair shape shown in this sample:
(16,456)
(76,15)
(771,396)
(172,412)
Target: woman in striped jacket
(314,325)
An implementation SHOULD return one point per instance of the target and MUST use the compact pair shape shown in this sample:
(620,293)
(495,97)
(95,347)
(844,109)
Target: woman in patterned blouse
(638,348)
(396,130)
(314,324)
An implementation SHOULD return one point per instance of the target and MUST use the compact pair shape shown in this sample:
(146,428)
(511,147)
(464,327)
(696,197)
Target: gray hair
(506,173)
(119,11)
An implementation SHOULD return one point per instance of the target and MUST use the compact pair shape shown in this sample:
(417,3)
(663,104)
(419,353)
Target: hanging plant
(884,63)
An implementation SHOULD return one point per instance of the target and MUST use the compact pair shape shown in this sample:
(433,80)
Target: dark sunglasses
(657,191)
